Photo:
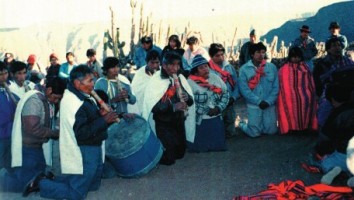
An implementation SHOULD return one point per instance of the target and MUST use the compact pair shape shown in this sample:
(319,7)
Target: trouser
(260,121)
(33,163)
(229,116)
(5,153)
(76,186)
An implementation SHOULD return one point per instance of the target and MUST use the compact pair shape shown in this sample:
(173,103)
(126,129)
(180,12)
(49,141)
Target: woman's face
(203,71)
(295,59)
(173,44)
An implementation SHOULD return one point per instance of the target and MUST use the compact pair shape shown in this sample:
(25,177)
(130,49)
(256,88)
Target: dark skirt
(209,136)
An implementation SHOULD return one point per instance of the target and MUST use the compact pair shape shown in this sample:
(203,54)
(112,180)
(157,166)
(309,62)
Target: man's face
(192,47)
(304,34)
(334,31)
(146,46)
(51,97)
(20,77)
(8,57)
(3,76)
(172,68)
(92,58)
(54,61)
(253,39)
(70,59)
(113,72)
(154,64)
(259,55)
(335,49)
(85,85)
(218,58)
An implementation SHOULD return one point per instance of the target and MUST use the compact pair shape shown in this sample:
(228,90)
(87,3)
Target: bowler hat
(305,28)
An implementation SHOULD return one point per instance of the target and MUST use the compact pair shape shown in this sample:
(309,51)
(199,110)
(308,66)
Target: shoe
(33,184)
(49,175)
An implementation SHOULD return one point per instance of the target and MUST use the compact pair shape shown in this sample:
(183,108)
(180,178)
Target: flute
(10,93)
(102,103)
(120,89)
(179,91)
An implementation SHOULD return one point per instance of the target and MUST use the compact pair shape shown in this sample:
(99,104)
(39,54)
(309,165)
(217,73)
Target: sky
(260,14)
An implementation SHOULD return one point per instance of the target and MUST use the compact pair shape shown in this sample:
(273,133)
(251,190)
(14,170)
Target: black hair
(194,71)
(146,39)
(152,55)
(192,40)
(90,52)
(103,95)
(79,72)
(3,67)
(108,63)
(169,58)
(215,48)
(256,47)
(57,84)
(176,39)
(69,54)
(18,66)
(295,52)
(330,42)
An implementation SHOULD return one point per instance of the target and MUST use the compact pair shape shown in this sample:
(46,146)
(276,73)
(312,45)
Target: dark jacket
(89,126)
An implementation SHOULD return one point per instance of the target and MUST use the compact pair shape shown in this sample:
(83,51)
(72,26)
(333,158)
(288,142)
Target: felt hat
(334,25)
(305,28)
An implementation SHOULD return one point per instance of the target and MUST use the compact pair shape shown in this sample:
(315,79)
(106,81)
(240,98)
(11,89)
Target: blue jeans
(33,162)
(5,153)
(76,186)
(336,159)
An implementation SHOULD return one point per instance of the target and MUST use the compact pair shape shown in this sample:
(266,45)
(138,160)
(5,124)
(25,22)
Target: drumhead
(127,137)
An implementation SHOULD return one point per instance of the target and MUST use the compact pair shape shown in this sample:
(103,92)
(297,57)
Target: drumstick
(119,86)
(10,93)
(102,103)
(179,91)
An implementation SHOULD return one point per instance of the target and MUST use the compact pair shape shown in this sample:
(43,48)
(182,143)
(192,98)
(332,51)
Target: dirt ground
(249,165)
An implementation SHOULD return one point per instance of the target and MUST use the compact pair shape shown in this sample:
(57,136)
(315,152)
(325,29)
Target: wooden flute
(179,91)
(102,103)
(120,89)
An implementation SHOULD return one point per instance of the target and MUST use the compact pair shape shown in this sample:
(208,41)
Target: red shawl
(225,75)
(204,83)
(253,82)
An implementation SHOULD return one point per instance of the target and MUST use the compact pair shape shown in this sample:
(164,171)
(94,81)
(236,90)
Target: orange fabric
(225,75)
(204,83)
(294,190)
(253,82)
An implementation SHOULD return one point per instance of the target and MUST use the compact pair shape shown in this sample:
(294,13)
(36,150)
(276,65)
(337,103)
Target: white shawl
(154,91)
(350,155)
(138,86)
(16,135)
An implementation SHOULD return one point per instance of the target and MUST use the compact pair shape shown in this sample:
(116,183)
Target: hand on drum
(181,106)
(110,117)
(121,96)
(128,116)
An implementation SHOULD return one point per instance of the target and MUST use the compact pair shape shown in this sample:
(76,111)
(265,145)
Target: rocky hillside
(340,12)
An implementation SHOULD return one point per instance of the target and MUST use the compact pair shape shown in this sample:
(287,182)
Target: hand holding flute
(110,116)
(180,94)
(120,89)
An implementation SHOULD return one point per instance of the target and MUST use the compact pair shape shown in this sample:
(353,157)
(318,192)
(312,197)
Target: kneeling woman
(211,98)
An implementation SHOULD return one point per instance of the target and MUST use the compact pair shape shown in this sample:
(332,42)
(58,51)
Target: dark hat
(110,62)
(146,39)
(305,28)
(333,25)
(253,32)
(198,60)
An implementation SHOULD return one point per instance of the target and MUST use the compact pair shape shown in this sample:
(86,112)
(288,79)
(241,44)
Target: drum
(132,147)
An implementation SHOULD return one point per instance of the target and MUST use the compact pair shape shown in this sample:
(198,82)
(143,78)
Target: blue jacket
(140,55)
(309,50)
(7,114)
(267,88)
(64,70)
